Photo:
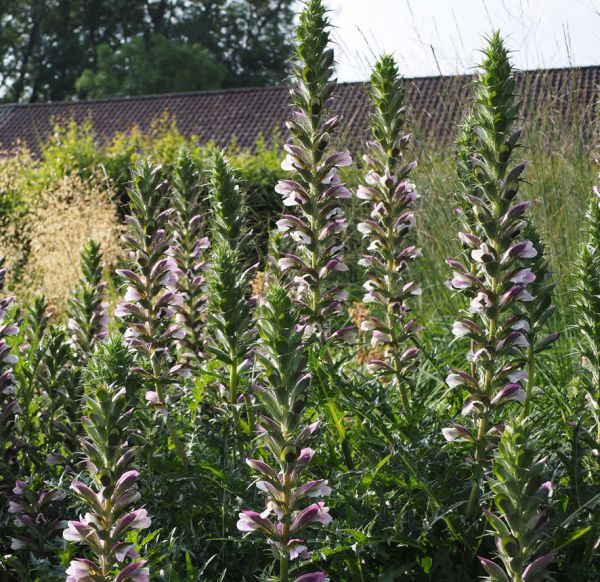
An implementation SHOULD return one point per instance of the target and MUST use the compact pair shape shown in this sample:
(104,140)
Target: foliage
(60,50)
(145,67)
(402,502)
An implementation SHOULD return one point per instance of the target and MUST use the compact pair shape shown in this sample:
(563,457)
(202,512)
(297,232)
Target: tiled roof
(437,105)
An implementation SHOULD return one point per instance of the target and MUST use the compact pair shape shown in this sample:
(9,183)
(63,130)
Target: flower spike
(229,314)
(519,517)
(189,248)
(87,307)
(283,391)
(389,232)
(497,267)
(9,406)
(314,221)
(148,307)
(109,492)
(587,305)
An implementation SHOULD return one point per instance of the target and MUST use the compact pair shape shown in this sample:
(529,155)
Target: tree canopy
(66,49)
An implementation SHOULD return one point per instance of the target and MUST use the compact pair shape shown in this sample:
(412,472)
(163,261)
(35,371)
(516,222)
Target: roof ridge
(233,90)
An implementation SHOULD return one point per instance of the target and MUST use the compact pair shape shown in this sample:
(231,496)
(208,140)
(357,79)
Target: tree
(64,49)
(151,67)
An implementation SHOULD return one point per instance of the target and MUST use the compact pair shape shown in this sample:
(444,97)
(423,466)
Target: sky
(432,37)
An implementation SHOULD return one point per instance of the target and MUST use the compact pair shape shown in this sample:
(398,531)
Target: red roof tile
(436,103)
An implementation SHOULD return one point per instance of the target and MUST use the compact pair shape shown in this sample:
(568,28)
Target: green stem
(284,556)
(530,382)
(233,381)
(233,392)
(176,440)
(105,561)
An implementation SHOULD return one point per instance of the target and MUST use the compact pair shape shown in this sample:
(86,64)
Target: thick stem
(396,346)
(233,381)
(487,385)
(284,554)
(176,440)
(105,559)
(233,395)
(483,422)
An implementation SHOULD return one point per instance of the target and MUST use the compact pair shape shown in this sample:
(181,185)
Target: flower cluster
(519,519)
(188,250)
(389,285)
(314,189)
(8,401)
(87,306)
(229,313)
(283,393)
(150,299)
(495,271)
(36,519)
(109,496)
(587,305)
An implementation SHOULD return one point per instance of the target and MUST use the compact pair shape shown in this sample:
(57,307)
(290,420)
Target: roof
(437,105)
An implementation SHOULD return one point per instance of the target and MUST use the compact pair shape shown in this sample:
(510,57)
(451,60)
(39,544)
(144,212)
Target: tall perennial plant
(189,248)
(389,285)
(494,271)
(313,193)
(283,390)
(150,300)
(108,494)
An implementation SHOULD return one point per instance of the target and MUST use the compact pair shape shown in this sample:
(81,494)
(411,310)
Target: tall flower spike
(109,495)
(150,299)
(587,304)
(283,393)
(519,517)
(8,399)
(495,269)
(87,306)
(227,201)
(391,247)
(188,250)
(314,190)
(229,313)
